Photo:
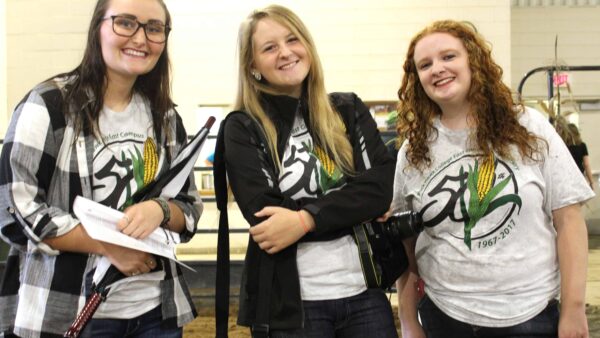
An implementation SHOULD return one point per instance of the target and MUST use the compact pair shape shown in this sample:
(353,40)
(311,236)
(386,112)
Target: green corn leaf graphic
(138,167)
(478,209)
(328,182)
(472,186)
(502,200)
(487,199)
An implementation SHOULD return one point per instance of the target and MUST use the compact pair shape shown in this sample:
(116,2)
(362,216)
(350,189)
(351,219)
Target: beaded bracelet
(166,211)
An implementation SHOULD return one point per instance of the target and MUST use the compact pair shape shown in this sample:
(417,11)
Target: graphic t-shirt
(327,269)
(488,254)
(124,161)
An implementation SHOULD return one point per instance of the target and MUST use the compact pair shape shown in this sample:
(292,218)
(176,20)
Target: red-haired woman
(504,236)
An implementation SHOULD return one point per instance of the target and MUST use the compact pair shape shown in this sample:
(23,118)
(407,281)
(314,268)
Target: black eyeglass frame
(140,25)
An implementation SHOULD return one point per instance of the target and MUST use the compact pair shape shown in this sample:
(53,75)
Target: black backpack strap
(260,328)
(222,277)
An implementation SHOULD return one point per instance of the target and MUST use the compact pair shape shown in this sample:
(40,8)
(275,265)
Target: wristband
(166,211)
(302,224)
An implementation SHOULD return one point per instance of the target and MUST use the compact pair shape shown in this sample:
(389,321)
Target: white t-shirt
(327,269)
(115,180)
(510,271)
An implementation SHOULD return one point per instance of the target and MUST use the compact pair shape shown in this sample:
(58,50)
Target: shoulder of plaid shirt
(42,171)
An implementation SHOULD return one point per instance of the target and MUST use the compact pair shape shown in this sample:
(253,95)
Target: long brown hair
(326,124)
(494,111)
(84,94)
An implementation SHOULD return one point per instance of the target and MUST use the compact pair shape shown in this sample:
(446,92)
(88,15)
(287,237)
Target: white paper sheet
(100,222)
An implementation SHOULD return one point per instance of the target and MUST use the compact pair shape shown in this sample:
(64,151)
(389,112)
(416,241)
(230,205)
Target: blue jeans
(146,325)
(437,324)
(368,314)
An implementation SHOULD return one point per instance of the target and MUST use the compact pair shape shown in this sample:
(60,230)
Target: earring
(257,75)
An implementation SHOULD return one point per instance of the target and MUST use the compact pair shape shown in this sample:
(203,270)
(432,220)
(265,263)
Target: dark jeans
(146,325)
(437,324)
(368,314)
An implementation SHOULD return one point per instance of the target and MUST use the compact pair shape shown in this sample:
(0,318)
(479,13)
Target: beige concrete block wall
(43,38)
(361,43)
(3,77)
(534,30)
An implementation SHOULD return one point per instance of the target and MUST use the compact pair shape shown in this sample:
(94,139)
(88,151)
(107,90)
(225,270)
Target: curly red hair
(494,111)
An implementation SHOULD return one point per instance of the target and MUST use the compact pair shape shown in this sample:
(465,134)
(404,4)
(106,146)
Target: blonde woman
(304,168)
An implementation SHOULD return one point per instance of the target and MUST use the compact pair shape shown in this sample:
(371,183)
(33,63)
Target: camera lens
(402,226)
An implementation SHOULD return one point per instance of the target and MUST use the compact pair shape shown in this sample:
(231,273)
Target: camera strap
(365,253)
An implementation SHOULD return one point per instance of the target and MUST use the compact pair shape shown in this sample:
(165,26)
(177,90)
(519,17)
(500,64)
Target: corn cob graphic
(329,174)
(485,178)
(480,183)
(144,167)
(326,161)
(150,160)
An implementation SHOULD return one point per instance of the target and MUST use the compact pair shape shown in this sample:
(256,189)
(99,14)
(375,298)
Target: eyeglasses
(125,26)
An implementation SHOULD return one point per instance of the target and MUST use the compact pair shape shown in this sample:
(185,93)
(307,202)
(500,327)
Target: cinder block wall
(361,43)
(534,30)
(3,76)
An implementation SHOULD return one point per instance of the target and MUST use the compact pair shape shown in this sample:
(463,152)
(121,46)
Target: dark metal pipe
(550,71)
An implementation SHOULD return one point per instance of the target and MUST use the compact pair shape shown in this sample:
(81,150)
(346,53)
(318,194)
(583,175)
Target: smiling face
(280,57)
(129,57)
(442,64)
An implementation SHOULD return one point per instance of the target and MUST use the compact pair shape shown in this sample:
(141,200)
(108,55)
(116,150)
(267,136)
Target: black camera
(380,247)
(399,226)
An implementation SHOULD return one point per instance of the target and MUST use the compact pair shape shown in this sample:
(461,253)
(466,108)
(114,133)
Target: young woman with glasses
(304,167)
(102,131)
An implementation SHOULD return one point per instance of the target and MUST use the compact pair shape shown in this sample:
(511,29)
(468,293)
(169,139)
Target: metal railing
(550,71)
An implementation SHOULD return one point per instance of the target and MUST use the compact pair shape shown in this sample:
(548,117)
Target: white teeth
(444,81)
(134,52)
(288,66)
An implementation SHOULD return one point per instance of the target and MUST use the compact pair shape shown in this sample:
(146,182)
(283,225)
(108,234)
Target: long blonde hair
(326,123)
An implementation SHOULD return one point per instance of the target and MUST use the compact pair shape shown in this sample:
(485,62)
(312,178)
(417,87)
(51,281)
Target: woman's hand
(410,292)
(572,244)
(129,261)
(384,217)
(141,219)
(572,322)
(412,330)
(282,228)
